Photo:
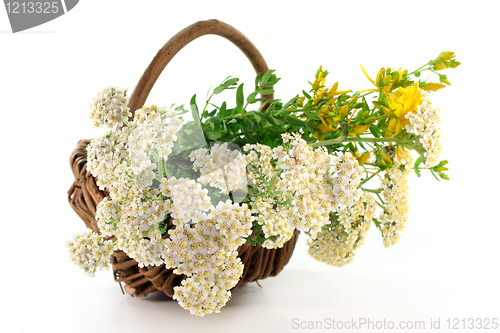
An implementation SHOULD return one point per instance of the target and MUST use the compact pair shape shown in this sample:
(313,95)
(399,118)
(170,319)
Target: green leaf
(441,164)
(266,91)
(415,166)
(240,99)
(290,102)
(312,115)
(194,109)
(266,77)
(249,136)
(272,80)
(219,89)
(252,97)
(256,116)
(359,116)
(227,84)
(374,131)
(273,120)
(444,176)
(215,135)
(231,82)
(294,121)
(417,162)
(249,120)
(214,120)
(257,79)
(222,110)
(309,128)
(267,141)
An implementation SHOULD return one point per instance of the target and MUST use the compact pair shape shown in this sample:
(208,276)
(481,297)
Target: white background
(446,264)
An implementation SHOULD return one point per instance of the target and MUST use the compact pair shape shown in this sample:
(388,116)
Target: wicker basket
(84,194)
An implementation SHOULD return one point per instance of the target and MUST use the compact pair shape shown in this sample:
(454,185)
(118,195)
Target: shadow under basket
(84,195)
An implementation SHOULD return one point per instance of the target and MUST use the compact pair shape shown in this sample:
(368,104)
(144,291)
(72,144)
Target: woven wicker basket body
(84,195)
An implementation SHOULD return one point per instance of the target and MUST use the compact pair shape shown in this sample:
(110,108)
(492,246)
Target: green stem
(207,102)
(373,191)
(249,113)
(381,200)
(419,69)
(400,141)
(239,115)
(367,93)
(329,142)
(367,179)
(160,163)
(166,173)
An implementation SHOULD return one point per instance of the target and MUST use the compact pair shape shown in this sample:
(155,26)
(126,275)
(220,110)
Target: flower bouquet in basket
(188,195)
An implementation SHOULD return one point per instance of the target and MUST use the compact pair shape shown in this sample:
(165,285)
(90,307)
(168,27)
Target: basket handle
(181,39)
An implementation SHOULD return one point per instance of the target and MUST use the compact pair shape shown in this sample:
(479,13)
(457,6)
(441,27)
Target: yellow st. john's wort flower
(401,102)
(363,158)
(327,94)
(431,86)
(320,79)
(322,93)
(358,129)
(323,101)
(445,60)
(386,80)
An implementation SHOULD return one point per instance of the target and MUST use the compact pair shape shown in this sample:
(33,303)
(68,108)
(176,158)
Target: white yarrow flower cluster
(207,253)
(121,164)
(133,220)
(307,175)
(272,212)
(275,218)
(337,244)
(345,183)
(104,154)
(109,108)
(157,128)
(298,182)
(425,123)
(395,192)
(189,200)
(203,245)
(220,167)
(90,251)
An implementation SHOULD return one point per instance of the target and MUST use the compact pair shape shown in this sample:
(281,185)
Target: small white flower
(90,251)
(336,245)
(222,168)
(109,108)
(395,188)
(425,123)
